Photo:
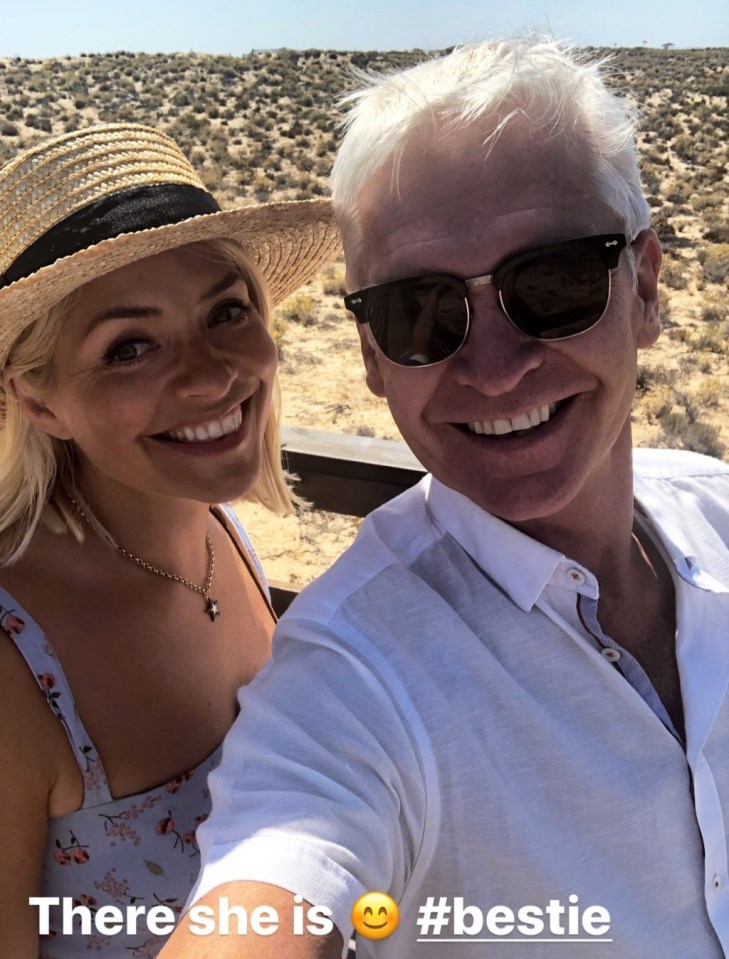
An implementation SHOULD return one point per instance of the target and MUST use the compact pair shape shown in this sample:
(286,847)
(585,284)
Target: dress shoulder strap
(40,657)
(232,525)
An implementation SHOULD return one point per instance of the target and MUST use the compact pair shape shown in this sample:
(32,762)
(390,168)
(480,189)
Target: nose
(202,371)
(496,356)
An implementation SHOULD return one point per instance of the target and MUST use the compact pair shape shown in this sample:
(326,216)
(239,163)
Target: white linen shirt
(437,722)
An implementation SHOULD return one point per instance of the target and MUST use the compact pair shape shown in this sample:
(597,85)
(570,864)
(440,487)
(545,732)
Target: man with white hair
(506,705)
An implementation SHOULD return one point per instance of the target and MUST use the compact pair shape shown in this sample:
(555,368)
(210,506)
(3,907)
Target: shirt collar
(657,516)
(520,565)
(523,567)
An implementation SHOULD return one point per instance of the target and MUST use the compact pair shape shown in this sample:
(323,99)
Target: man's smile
(520,423)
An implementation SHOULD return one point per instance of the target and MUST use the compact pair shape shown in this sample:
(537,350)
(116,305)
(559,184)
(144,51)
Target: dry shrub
(710,392)
(333,280)
(713,339)
(714,310)
(299,308)
(715,261)
(678,431)
(659,402)
(674,274)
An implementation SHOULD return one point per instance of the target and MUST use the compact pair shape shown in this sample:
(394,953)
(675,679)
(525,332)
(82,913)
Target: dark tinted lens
(555,294)
(418,321)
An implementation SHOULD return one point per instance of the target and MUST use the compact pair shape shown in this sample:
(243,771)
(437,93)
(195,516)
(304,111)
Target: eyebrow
(230,279)
(130,312)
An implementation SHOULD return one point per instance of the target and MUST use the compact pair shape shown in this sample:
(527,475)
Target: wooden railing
(345,474)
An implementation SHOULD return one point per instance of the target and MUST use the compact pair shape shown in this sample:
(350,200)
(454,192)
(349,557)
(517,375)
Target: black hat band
(128,211)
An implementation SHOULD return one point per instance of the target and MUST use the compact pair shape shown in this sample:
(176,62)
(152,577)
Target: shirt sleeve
(320,788)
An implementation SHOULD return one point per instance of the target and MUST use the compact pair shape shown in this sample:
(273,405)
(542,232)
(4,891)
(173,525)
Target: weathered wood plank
(282,595)
(348,474)
(345,474)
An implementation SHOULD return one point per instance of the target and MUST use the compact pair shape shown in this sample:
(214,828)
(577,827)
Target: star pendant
(212,609)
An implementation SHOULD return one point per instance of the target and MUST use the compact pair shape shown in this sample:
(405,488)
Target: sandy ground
(323,386)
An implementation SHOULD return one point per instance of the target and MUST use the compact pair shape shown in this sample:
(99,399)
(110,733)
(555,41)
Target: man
(506,705)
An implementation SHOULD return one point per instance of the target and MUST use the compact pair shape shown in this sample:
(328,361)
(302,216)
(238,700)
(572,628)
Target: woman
(139,388)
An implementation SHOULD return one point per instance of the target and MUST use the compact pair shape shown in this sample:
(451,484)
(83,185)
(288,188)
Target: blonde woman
(139,383)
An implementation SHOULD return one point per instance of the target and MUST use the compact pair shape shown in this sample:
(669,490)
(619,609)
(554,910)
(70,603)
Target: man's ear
(648,257)
(372,360)
(36,410)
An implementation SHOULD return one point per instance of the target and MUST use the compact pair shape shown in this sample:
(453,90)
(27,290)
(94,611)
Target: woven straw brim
(289,242)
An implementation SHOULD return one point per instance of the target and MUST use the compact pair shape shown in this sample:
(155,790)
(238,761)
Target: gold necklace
(212,607)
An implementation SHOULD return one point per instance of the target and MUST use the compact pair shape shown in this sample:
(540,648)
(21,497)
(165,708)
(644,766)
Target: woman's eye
(127,351)
(231,312)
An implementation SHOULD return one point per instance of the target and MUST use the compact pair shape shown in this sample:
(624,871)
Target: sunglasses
(551,293)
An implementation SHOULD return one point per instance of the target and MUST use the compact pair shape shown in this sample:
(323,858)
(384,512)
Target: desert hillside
(264,126)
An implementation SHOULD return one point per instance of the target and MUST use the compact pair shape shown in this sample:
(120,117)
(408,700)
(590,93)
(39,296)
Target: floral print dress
(137,851)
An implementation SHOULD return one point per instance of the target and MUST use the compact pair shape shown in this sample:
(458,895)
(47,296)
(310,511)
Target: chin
(220,487)
(520,500)
(232,491)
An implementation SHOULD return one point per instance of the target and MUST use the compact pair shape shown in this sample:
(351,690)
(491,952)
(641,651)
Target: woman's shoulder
(38,764)
(21,629)
(34,685)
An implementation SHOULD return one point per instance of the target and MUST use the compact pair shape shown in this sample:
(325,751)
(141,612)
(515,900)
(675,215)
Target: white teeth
(519,423)
(232,421)
(204,432)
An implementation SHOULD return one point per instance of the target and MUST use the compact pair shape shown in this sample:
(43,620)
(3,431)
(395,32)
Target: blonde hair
(37,470)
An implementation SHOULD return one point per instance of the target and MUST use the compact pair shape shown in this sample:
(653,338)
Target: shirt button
(610,654)
(577,576)
(716,882)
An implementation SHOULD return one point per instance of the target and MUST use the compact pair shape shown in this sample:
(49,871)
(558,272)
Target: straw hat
(81,205)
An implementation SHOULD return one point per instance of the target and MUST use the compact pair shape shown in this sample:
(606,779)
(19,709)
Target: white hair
(539,81)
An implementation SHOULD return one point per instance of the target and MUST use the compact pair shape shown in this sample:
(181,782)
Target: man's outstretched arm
(285,941)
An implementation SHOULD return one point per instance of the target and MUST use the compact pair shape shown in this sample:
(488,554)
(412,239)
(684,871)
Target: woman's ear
(33,406)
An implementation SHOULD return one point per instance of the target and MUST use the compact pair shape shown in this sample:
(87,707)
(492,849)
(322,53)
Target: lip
(210,447)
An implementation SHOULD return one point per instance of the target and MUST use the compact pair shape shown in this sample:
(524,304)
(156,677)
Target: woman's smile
(213,437)
(212,429)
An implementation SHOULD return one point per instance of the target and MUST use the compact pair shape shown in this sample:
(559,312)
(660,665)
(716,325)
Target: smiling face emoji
(375,915)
